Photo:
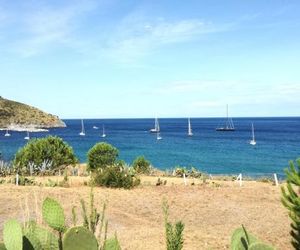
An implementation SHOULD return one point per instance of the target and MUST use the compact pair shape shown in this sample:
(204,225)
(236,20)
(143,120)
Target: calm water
(278,141)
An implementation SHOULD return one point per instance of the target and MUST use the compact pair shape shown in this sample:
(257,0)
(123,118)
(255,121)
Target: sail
(228,126)
(190,132)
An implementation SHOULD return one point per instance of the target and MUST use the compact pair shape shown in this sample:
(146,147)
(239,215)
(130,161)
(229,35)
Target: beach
(209,211)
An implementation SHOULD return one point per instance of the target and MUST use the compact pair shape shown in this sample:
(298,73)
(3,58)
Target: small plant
(174,233)
(291,200)
(160,182)
(5,168)
(242,240)
(116,177)
(141,165)
(101,155)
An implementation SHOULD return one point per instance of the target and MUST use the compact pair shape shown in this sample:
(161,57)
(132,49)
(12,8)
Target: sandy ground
(210,213)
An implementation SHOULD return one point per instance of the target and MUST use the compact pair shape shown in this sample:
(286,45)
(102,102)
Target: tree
(141,165)
(44,154)
(291,200)
(102,155)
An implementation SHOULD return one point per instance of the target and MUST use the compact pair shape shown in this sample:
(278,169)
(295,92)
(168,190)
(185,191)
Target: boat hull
(225,129)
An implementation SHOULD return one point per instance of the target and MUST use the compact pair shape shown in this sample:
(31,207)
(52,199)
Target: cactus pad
(12,235)
(239,240)
(260,246)
(112,244)
(40,238)
(79,238)
(53,214)
(2,246)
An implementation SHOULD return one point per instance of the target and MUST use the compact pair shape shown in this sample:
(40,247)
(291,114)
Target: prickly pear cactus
(27,244)
(12,235)
(2,246)
(53,214)
(260,246)
(40,238)
(239,239)
(79,238)
(112,244)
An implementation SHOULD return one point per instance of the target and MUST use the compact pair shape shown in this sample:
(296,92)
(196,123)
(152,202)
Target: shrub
(102,155)
(291,200)
(115,176)
(141,165)
(44,155)
(174,233)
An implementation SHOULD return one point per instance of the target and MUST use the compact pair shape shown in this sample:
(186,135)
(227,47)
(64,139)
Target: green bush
(115,176)
(44,155)
(102,155)
(141,165)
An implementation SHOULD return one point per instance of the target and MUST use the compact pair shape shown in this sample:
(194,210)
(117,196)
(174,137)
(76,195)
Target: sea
(208,150)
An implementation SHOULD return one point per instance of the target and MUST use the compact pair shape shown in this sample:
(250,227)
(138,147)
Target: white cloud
(137,36)
(45,26)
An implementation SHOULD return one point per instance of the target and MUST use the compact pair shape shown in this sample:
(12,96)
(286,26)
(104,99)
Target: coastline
(31,127)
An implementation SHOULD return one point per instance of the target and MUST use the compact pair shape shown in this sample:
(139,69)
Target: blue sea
(278,141)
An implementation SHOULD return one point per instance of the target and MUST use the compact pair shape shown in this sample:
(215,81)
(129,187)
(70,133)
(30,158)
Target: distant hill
(16,115)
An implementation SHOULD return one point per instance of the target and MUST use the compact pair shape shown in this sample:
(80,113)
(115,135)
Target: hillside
(16,115)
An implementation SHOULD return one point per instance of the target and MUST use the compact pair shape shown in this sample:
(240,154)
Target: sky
(136,59)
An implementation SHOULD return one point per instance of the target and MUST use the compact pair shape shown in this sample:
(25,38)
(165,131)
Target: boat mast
(253,137)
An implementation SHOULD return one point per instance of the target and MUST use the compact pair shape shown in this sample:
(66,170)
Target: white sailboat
(253,142)
(190,132)
(27,137)
(229,126)
(95,127)
(156,128)
(103,132)
(82,133)
(7,133)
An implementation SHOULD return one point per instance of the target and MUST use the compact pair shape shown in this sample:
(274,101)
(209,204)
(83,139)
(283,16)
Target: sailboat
(253,142)
(156,127)
(190,133)
(7,134)
(27,137)
(95,127)
(82,133)
(229,126)
(103,132)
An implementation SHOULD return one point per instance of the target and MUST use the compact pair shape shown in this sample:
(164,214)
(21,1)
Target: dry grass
(210,213)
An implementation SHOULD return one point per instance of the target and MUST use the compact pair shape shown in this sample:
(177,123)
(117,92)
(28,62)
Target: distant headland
(21,117)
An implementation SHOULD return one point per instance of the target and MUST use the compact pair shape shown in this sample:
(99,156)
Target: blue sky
(111,59)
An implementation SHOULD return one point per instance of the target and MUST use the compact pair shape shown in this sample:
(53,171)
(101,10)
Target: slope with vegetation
(16,114)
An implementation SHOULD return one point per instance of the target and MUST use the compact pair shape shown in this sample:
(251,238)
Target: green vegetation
(44,156)
(174,233)
(102,155)
(36,237)
(12,112)
(141,165)
(189,172)
(116,176)
(291,200)
(242,240)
